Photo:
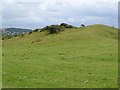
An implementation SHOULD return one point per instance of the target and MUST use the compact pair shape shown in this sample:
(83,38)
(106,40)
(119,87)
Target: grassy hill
(83,58)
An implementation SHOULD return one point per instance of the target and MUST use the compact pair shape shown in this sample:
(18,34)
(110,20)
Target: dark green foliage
(16,35)
(54,29)
(22,35)
(63,24)
(36,30)
(66,25)
(82,25)
(6,37)
(45,28)
(30,32)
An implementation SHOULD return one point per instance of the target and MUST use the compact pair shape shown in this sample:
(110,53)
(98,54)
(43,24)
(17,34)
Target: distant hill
(15,31)
(3,32)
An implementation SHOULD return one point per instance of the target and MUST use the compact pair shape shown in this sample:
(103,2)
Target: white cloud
(39,13)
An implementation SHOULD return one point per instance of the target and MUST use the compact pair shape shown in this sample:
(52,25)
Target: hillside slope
(82,57)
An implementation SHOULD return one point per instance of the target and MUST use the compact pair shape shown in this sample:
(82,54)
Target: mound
(75,58)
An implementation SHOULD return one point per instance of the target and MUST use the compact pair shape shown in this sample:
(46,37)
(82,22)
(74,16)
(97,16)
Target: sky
(34,14)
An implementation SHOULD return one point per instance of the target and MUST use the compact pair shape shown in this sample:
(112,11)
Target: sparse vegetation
(6,37)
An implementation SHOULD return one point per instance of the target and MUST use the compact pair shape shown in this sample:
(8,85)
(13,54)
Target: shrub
(54,29)
(22,35)
(30,32)
(36,30)
(45,28)
(6,37)
(16,35)
(66,25)
(82,25)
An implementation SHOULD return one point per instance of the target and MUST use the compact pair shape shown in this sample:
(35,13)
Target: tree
(82,25)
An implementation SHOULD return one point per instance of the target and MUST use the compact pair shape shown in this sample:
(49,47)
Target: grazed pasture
(75,58)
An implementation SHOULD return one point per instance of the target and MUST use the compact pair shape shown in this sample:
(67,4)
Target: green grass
(75,58)
(0,64)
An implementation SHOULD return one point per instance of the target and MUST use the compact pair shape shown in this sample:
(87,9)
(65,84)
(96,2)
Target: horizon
(38,14)
(54,24)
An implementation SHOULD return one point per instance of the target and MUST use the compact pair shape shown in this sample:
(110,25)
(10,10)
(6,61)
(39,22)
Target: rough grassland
(75,58)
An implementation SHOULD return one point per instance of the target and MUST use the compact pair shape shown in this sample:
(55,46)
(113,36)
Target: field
(75,58)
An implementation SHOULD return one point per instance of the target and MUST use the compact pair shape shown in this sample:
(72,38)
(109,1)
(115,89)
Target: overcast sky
(37,14)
